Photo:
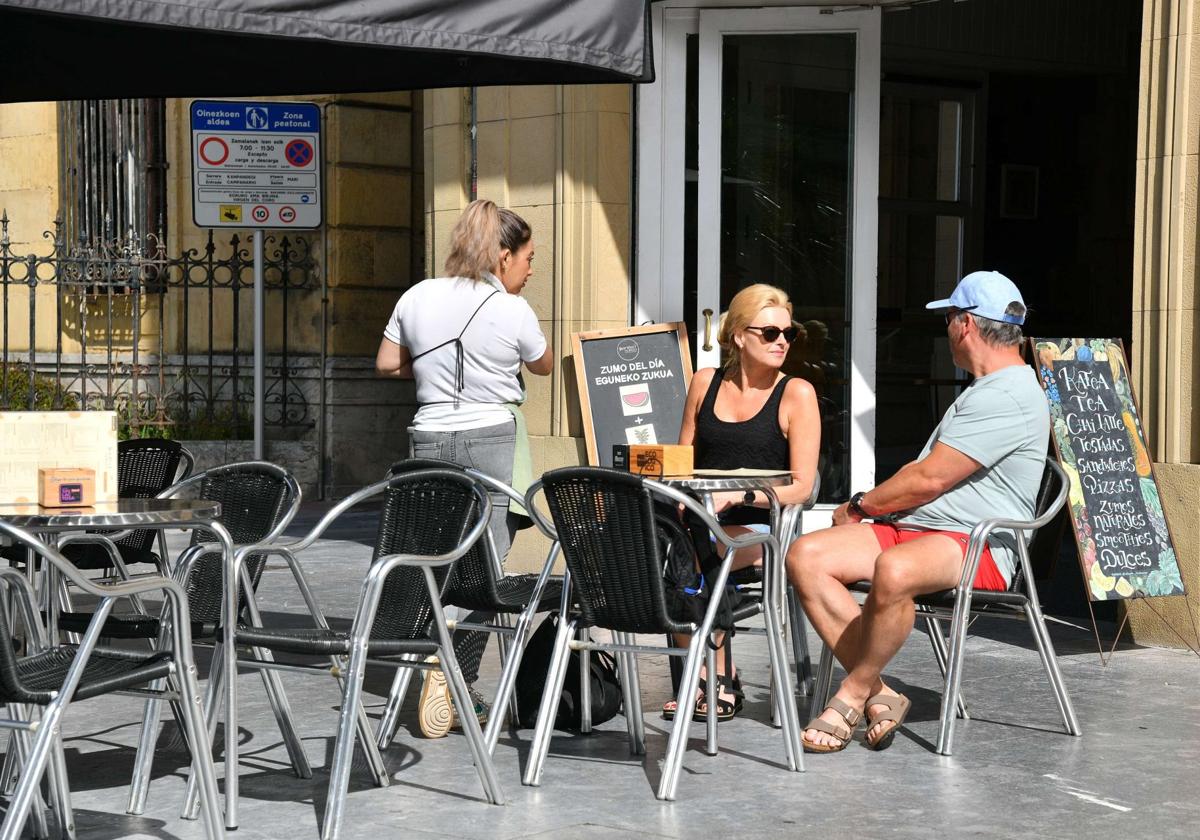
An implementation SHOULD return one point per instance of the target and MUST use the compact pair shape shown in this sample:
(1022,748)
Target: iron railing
(193,379)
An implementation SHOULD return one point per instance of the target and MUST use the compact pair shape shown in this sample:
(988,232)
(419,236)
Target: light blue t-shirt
(1002,421)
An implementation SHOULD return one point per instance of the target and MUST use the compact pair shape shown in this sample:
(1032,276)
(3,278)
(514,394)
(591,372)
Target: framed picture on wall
(1018,191)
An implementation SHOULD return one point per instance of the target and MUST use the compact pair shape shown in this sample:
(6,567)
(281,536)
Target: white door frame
(661,115)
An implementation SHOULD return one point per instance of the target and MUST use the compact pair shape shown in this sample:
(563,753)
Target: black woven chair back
(606,527)
(145,468)
(474,586)
(425,512)
(1047,491)
(253,501)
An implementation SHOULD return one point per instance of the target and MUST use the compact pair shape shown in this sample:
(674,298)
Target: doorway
(772,179)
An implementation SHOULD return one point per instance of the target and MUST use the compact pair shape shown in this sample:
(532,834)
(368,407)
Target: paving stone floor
(1134,773)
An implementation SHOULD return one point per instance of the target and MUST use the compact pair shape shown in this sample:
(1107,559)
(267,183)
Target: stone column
(1164,362)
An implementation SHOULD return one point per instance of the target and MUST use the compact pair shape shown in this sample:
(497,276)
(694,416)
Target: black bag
(531,682)
(690,564)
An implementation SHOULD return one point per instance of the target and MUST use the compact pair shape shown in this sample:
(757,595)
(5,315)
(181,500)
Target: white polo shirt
(503,334)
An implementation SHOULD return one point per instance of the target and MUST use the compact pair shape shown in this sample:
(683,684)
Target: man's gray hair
(1001,333)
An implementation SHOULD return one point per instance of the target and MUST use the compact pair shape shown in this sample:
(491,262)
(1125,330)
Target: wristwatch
(749,497)
(856,505)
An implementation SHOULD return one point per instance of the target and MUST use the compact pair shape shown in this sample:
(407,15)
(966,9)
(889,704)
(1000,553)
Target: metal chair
(52,676)
(956,606)
(480,585)
(258,501)
(604,522)
(430,519)
(145,468)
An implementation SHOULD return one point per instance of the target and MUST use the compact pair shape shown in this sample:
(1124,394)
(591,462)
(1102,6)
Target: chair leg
(28,786)
(505,646)
(470,725)
(784,693)
(630,697)
(823,683)
(635,694)
(1041,638)
(585,685)
(555,675)
(798,628)
(139,786)
(10,768)
(677,743)
(506,696)
(212,695)
(710,700)
(60,788)
(391,713)
(203,774)
(941,654)
(343,750)
(283,716)
(379,771)
(958,640)
(19,748)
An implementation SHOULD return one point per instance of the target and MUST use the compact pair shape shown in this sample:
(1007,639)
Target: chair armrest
(710,521)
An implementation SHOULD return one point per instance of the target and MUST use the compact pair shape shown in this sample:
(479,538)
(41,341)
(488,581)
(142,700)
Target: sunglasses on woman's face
(771,334)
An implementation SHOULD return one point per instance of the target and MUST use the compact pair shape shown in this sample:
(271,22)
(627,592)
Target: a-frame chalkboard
(632,386)
(1124,541)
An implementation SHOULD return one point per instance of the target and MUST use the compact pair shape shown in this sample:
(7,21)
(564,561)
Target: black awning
(103,49)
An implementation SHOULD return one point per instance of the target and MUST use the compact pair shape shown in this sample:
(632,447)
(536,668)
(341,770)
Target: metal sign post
(256,165)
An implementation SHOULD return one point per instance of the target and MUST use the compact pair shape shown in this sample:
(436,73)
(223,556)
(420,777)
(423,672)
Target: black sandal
(726,709)
(669,714)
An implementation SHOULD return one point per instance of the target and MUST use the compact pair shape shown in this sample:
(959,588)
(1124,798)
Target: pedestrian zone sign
(256,164)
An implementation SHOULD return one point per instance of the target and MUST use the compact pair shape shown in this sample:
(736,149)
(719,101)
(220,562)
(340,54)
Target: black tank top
(757,443)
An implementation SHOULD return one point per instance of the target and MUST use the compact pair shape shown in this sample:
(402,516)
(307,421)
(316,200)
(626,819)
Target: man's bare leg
(820,566)
(869,640)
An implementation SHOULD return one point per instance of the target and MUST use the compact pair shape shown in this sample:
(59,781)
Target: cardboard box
(66,487)
(34,440)
(653,459)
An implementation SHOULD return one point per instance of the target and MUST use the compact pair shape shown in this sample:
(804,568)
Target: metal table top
(715,481)
(124,513)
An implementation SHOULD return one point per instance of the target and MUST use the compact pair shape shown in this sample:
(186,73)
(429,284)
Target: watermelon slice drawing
(635,399)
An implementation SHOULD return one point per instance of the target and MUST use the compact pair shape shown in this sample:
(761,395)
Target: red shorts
(987,576)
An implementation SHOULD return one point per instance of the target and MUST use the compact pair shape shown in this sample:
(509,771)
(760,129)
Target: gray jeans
(489,450)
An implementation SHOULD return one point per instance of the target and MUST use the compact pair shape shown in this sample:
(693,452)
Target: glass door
(758,162)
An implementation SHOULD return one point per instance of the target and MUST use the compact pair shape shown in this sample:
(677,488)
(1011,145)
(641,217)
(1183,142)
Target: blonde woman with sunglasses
(749,414)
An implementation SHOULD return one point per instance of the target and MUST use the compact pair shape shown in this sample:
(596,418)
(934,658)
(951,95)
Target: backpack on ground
(531,681)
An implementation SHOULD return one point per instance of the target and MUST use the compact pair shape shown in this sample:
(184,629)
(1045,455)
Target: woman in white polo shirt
(463,337)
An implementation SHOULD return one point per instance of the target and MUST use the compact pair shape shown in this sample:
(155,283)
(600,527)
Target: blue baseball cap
(986,294)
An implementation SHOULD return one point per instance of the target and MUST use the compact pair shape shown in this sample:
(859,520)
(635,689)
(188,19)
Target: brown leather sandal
(897,710)
(850,715)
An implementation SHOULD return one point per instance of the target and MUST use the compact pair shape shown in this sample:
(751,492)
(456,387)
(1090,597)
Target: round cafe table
(156,514)
(123,513)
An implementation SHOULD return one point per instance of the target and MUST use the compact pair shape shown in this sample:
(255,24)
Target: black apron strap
(459,353)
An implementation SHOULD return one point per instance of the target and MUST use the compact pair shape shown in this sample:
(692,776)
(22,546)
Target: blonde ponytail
(475,241)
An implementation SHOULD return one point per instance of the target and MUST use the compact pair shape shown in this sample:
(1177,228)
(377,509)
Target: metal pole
(258,345)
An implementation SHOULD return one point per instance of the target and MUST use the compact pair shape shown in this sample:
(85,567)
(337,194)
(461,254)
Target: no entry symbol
(298,152)
(213,151)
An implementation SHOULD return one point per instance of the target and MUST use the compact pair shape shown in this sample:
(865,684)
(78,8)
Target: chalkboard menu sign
(1125,546)
(632,386)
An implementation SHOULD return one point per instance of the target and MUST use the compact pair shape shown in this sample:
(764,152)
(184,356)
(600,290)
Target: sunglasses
(954,313)
(771,334)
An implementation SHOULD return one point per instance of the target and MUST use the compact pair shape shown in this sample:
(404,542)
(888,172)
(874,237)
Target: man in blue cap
(985,459)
